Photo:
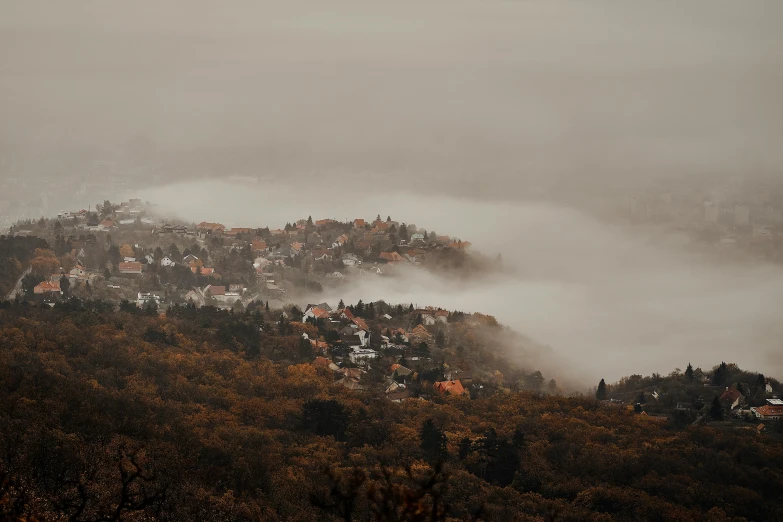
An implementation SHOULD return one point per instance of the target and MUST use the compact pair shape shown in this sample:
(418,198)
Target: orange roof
(217,290)
(131,266)
(770,410)
(358,222)
(452,387)
(394,367)
(461,245)
(320,313)
(323,362)
(204,270)
(321,222)
(47,286)
(358,321)
(442,313)
(347,313)
(392,257)
(258,245)
(420,331)
(204,225)
(296,245)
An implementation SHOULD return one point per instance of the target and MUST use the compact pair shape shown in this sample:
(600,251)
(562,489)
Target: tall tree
(600,393)
(689,373)
(716,410)
(433,442)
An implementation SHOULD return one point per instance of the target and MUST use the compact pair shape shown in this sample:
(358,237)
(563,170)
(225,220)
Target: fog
(501,122)
(609,300)
(482,98)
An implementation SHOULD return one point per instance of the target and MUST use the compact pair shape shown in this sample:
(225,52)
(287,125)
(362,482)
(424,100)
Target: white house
(360,354)
(351,260)
(144,299)
(167,261)
(150,259)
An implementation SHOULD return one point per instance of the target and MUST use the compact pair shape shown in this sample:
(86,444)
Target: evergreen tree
(341,305)
(440,339)
(465,447)
(65,285)
(600,393)
(433,442)
(689,373)
(716,410)
(642,399)
(720,375)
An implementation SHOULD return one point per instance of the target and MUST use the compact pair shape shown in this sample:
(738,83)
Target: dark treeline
(129,415)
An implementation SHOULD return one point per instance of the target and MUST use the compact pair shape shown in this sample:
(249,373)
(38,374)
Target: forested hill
(127,415)
(16,252)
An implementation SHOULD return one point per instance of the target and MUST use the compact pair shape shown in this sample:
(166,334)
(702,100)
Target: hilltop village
(125,252)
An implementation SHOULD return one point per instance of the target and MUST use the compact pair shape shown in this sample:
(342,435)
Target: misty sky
(474,95)
(358,107)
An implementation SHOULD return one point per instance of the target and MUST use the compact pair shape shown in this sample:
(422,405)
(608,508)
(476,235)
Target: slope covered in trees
(124,415)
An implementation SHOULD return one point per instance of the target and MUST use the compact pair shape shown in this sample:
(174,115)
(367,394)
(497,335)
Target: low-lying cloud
(609,300)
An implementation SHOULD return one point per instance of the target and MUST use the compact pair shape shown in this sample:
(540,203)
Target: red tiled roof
(732,394)
(258,245)
(347,313)
(46,286)
(217,290)
(358,222)
(204,270)
(358,321)
(768,410)
(320,313)
(323,362)
(131,266)
(204,225)
(453,387)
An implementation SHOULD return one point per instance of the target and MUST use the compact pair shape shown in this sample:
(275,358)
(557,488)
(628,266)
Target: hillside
(203,414)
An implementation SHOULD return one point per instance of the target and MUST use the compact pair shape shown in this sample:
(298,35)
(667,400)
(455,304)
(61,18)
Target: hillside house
(167,261)
(451,387)
(773,410)
(48,287)
(133,267)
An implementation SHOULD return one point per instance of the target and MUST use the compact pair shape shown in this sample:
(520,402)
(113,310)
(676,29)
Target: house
(215,291)
(196,296)
(358,223)
(322,362)
(451,387)
(145,298)
(315,312)
(189,259)
(259,245)
(133,267)
(417,237)
(48,287)
(167,261)
(236,289)
(205,271)
(340,241)
(460,245)
(392,257)
(350,260)
(358,321)
(731,398)
(773,410)
(321,254)
(420,333)
(362,354)
(399,395)
(210,228)
(351,384)
(296,248)
(399,370)
(150,259)
(108,223)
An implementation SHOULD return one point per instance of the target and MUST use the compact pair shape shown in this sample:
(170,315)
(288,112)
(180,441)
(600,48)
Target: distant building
(130,268)
(773,410)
